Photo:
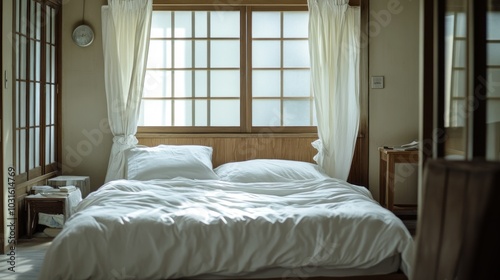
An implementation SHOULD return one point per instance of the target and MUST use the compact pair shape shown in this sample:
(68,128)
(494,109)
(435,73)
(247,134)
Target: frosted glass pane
(266,25)
(458,113)
(201,83)
(48,145)
(158,83)
(53,106)
(225,83)
(33,59)
(48,104)
(296,113)
(224,112)
(315,121)
(156,113)
(159,55)
(493,22)
(296,24)
(31,95)
(18,8)
(32,19)
(22,105)
(53,26)
(39,20)
(183,54)
(22,61)
(53,64)
(266,113)
(34,148)
(22,151)
(183,113)
(161,24)
(493,110)
(31,149)
(461,25)
(183,84)
(458,83)
(266,54)
(182,25)
(49,14)
(225,54)
(200,27)
(38,105)
(47,24)
(225,24)
(38,50)
(296,53)
(201,51)
(266,83)
(37,147)
(493,83)
(23,23)
(17,100)
(201,109)
(47,65)
(460,53)
(296,83)
(493,54)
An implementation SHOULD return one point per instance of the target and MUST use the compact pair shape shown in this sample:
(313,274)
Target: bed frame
(239,147)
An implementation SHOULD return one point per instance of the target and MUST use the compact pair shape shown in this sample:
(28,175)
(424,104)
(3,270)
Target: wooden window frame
(245,8)
(42,169)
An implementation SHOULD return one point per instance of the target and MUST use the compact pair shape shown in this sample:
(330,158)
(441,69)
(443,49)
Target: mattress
(164,229)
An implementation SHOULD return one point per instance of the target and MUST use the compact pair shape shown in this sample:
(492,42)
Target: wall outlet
(377,82)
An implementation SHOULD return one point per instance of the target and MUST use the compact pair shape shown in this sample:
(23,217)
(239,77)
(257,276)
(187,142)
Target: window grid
(282,68)
(244,98)
(173,98)
(35,85)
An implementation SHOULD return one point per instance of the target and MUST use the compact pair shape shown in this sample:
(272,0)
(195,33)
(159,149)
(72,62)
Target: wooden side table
(388,160)
(48,205)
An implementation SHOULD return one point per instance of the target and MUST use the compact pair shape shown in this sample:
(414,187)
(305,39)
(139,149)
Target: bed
(174,216)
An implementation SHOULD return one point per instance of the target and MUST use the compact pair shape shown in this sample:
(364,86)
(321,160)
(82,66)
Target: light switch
(377,81)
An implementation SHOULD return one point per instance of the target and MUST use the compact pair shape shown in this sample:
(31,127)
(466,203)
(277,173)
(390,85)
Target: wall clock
(83,35)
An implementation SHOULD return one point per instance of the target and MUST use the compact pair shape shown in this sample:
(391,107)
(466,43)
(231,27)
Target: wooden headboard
(239,147)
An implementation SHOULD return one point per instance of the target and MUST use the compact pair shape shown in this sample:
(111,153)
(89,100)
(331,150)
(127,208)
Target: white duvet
(184,228)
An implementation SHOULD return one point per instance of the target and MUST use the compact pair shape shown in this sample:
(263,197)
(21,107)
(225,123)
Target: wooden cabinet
(388,160)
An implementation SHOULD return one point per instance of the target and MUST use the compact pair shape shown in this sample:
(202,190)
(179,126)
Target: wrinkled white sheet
(181,228)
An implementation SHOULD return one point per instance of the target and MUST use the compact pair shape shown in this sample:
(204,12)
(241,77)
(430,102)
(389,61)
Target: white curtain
(125,31)
(334,33)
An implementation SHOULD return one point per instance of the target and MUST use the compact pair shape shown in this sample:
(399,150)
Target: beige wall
(85,143)
(7,133)
(393,110)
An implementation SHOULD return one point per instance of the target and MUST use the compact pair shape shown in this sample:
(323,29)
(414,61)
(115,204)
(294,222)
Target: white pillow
(170,161)
(269,170)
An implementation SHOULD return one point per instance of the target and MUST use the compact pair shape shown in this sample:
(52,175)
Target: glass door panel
(493,81)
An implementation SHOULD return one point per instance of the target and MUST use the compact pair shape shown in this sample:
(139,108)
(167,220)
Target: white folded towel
(67,188)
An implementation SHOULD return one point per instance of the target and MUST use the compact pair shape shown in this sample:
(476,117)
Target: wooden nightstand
(47,205)
(65,205)
(388,160)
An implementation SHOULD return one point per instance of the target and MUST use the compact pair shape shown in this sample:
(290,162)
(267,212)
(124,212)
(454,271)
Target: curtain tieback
(123,140)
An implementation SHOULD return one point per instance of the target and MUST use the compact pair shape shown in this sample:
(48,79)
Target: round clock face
(83,35)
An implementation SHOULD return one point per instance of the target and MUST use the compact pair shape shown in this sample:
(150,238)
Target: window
(36,71)
(228,69)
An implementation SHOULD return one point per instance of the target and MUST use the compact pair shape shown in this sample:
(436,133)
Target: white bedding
(163,229)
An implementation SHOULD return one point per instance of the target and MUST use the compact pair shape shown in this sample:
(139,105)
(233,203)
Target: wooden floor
(29,256)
